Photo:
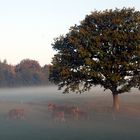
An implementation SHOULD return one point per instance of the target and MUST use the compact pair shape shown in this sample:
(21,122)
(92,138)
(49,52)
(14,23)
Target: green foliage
(26,73)
(29,72)
(103,50)
(7,74)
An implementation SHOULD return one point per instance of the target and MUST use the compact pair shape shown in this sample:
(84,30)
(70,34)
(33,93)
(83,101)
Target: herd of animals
(62,112)
(16,113)
(58,113)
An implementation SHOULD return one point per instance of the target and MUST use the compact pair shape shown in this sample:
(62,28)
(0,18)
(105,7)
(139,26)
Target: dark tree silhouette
(103,50)
(26,73)
(7,74)
(29,72)
(46,70)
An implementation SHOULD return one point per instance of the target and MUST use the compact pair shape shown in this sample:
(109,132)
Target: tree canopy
(26,73)
(104,49)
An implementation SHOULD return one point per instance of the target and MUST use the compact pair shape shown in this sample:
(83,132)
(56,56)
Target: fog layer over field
(98,122)
(51,91)
(44,93)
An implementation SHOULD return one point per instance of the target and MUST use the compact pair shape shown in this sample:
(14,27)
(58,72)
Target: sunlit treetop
(103,50)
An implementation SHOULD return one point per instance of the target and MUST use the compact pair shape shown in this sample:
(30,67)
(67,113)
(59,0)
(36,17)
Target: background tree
(103,50)
(46,70)
(26,73)
(29,72)
(7,74)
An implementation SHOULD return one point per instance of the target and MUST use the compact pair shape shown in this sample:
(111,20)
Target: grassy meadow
(38,124)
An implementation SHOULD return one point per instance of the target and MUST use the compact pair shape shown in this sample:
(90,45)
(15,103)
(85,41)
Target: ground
(102,123)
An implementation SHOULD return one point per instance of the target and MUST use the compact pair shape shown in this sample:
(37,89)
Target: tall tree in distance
(29,72)
(7,74)
(103,50)
(46,70)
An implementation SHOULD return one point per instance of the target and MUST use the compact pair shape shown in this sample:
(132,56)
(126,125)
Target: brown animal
(68,111)
(53,107)
(58,116)
(80,114)
(18,113)
(57,113)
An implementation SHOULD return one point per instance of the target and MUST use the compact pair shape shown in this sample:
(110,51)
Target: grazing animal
(80,114)
(57,113)
(68,111)
(18,113)
(58,116)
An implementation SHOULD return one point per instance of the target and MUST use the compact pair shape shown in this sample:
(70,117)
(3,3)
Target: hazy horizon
(96,119)
(51,91)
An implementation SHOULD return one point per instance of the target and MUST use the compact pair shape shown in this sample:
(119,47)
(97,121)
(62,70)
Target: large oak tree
(103,50)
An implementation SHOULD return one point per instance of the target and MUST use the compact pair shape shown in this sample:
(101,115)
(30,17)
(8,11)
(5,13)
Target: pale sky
(28,27)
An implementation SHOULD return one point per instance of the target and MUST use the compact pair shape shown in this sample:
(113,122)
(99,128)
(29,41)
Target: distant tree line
(26,73)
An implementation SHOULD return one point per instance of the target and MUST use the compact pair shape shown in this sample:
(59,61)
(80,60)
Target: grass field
(102,124)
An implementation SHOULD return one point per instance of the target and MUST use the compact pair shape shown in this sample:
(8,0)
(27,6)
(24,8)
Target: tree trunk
(116,105)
